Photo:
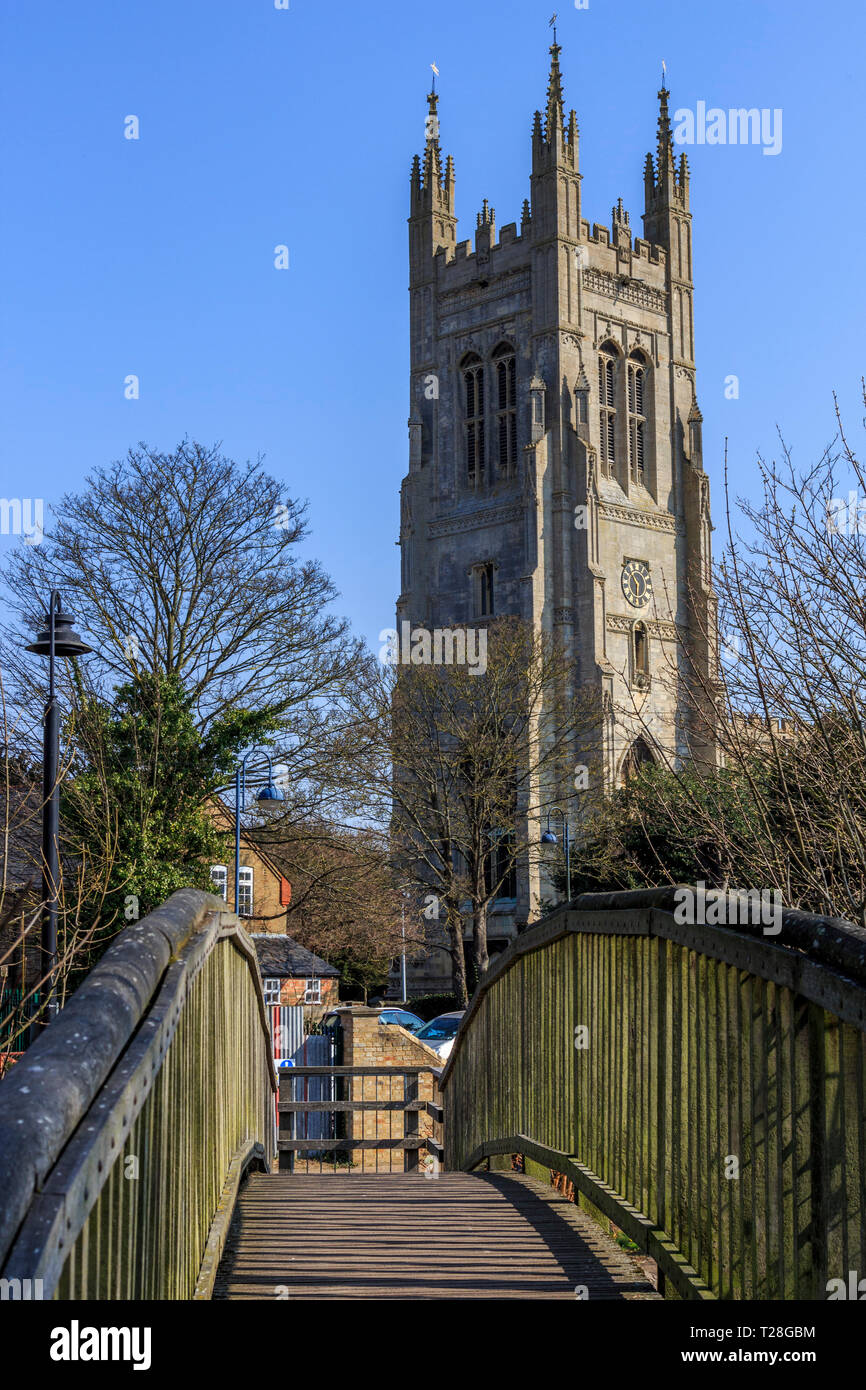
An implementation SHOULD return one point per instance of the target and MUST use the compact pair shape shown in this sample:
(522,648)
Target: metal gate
(295,1047)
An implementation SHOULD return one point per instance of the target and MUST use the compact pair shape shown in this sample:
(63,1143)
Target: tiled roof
(280,956)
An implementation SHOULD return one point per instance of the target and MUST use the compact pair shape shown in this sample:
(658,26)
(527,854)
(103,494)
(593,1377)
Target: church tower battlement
(555,460)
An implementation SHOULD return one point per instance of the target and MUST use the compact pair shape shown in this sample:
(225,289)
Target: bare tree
(187,563)
(345,903)
(466,764)
(787,807)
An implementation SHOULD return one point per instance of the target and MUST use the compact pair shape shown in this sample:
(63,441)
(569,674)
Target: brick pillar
(368,1043)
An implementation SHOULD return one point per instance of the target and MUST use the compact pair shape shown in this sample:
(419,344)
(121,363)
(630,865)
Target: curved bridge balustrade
(703,1086)
(126,1127)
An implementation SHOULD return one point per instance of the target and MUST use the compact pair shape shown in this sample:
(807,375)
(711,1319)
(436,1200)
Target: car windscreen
(440,1028)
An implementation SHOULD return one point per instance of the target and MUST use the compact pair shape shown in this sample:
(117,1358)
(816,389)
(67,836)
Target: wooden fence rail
(379,1108)
(126,1127)
(703,1086)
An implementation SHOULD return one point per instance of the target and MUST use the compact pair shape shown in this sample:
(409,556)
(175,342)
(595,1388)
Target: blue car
(411,1022)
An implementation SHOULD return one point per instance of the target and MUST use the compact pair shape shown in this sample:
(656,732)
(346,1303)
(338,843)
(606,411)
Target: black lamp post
(58,639)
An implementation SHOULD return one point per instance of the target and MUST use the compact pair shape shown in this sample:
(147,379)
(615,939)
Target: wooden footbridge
(395,1235)
(700,1089)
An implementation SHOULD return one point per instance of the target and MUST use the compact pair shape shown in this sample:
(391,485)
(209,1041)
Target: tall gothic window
(607,407)
(641,652)
(506,408)
(637,757)
(484,580)
(473,414)
(500,868)
(636,417)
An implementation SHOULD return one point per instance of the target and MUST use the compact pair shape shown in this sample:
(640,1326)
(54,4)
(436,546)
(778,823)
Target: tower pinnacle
(554,120)
(432,152)
(433,226)
(665,138)
(665,183)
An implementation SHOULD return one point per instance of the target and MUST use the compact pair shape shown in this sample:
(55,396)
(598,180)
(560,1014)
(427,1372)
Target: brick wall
(292,991)
(269,914)
(369,1043)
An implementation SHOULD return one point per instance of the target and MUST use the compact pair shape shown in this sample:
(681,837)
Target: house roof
(280,956)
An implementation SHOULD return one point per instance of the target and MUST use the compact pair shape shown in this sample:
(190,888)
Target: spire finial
(665,138)
(432,152)
(555,103)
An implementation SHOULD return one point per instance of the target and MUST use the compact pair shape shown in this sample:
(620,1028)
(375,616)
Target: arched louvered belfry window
(505,369)
(473,416)
(607,407)
(637,424)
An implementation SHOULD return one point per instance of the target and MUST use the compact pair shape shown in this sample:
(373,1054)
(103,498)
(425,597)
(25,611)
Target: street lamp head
(269,798)
(549,838)
(66,640)
(270,793)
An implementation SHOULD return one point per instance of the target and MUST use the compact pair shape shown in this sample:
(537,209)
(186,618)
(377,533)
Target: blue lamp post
(269,794)
(549,838)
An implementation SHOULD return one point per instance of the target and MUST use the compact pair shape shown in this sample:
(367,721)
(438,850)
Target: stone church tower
(555,464)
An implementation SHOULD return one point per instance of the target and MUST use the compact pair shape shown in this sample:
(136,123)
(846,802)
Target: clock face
(636,583)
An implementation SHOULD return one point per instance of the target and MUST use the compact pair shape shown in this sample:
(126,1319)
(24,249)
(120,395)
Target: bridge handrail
(85,1091)
(707,1043)
(835,962)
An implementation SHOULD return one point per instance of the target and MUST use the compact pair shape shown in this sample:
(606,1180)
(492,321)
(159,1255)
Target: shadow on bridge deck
(461,1235)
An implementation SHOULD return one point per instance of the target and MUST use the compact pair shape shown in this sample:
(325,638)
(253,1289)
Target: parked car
(411,1022)
(440,1032)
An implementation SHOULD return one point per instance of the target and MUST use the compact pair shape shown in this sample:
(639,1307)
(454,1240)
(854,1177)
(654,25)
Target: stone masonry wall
(369,1043)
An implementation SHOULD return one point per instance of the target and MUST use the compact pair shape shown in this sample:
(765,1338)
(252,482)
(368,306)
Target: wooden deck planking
(401,1235)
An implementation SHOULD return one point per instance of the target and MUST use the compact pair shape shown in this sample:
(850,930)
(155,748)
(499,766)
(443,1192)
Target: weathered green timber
(718,1111)
(125,1127)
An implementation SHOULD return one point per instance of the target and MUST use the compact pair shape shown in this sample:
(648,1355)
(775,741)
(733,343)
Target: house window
(636,417)
(219,877)
(506,408)
(607,407)
(313,991)
(245,893)
(272,989)
(473,383)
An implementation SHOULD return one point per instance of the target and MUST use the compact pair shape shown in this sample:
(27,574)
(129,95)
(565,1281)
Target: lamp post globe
(268,802)
(549,838)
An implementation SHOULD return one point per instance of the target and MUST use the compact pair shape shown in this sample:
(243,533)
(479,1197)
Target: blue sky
(261,127)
